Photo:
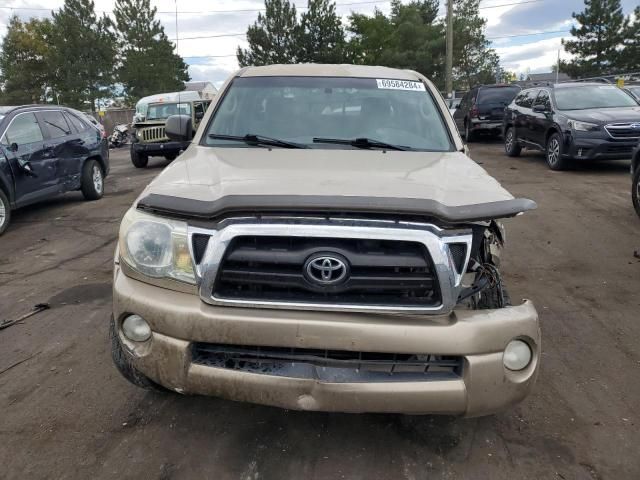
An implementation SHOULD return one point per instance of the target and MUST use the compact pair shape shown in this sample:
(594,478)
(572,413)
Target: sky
(513,26)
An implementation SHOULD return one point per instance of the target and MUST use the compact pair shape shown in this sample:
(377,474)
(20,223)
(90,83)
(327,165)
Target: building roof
(548,77)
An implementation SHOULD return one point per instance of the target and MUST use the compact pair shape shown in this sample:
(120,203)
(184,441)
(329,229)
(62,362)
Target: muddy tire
(124,366)
(554,152)
(139,160)
(635,191)
(92,184)
(5,212)
(469,136)
(511,147)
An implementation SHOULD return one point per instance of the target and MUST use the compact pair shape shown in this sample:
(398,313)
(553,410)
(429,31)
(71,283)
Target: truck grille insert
(327,271)
(329,365)
(150,134)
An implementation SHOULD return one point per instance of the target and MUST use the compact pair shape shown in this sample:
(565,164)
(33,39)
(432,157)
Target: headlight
(583,126)
(156,246)
(517,355)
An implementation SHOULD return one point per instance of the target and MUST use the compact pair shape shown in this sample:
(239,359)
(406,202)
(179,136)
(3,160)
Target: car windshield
(162,111)
(502,95)
(592,96)
(299,109)
(635,90)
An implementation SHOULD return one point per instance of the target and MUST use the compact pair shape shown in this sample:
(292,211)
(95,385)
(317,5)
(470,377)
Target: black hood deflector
(224,206)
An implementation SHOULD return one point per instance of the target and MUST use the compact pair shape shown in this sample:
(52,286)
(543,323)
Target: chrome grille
(152,134)
(626,131)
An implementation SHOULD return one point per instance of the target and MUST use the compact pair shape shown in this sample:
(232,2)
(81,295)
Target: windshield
(502,95)
(162,111)
(592,96)
(297,109)
(635,90)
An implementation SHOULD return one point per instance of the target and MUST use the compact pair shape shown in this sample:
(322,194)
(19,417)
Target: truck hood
(207,182)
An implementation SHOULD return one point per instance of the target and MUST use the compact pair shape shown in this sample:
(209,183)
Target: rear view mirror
(179,128)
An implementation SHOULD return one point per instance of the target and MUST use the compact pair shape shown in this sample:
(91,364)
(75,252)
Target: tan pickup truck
(324,243)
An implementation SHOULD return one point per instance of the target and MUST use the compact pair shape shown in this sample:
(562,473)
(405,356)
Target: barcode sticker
(400,85)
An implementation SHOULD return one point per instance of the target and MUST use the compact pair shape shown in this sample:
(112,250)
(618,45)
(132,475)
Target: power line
(511,4)
(529,34)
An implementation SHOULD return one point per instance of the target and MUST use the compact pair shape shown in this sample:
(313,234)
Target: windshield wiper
(361,143)
(253,139)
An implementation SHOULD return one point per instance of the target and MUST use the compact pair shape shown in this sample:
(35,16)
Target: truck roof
(322,70)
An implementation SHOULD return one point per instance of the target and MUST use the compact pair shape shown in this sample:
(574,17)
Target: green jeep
(149,137)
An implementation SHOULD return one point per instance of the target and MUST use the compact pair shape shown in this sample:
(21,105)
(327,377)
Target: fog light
(517,355)
(136,328)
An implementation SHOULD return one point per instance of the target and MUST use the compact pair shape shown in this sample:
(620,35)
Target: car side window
(528,96)
(23,130)
(77,124)
(543,99)
(55,123)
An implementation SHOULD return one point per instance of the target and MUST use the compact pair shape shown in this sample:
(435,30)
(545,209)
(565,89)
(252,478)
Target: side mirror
(179,128)
(199,115)
(539,108)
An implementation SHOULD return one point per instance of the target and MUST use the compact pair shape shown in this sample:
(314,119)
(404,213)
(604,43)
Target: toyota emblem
(326,269)
(635,125)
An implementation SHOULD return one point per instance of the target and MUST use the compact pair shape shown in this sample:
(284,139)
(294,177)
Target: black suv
(482,109)
(45,151)
(581,121)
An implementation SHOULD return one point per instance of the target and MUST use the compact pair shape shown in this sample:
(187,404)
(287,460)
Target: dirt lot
(66,413)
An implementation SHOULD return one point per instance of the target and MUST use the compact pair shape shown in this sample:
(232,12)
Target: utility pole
(449,60)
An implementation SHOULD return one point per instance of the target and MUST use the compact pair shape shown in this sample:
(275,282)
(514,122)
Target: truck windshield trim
(299,109)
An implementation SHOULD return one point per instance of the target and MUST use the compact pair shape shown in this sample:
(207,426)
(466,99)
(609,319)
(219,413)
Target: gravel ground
(66,412)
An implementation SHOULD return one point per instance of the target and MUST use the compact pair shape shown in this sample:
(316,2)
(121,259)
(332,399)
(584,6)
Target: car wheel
(554,152)
(92,180)
(139,160)
(5,212)
(511,146)
(635,191)
(124,366)
(468,134)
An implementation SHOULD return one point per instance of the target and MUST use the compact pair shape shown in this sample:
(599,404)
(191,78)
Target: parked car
(633,90)
(149,138)
(482,109)
(46,151)
(573,121)
(453,104)
(324,244)
(96,124)
(635,179)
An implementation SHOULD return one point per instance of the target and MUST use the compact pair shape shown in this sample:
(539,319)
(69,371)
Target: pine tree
(148,63)
(83,53)
(631,53)
(598,39)
(272,38)
(474,61)
(321,37)
(24,62)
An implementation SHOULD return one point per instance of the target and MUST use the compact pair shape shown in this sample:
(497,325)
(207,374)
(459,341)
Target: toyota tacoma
(324,243)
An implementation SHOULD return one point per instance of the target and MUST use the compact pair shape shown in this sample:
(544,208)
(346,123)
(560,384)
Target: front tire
(139,160)
(511,147)
(635,191)
(92,180)
(554,153)
(5,212)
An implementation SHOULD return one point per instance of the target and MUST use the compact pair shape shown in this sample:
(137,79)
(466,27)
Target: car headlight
(583,126)
(155,246)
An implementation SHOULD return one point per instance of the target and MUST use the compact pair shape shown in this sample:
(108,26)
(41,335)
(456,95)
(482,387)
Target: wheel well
(100,161)
(6,190)
(550,132)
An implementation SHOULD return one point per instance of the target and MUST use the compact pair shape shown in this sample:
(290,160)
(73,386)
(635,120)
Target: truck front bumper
(160,148)
(483,385)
